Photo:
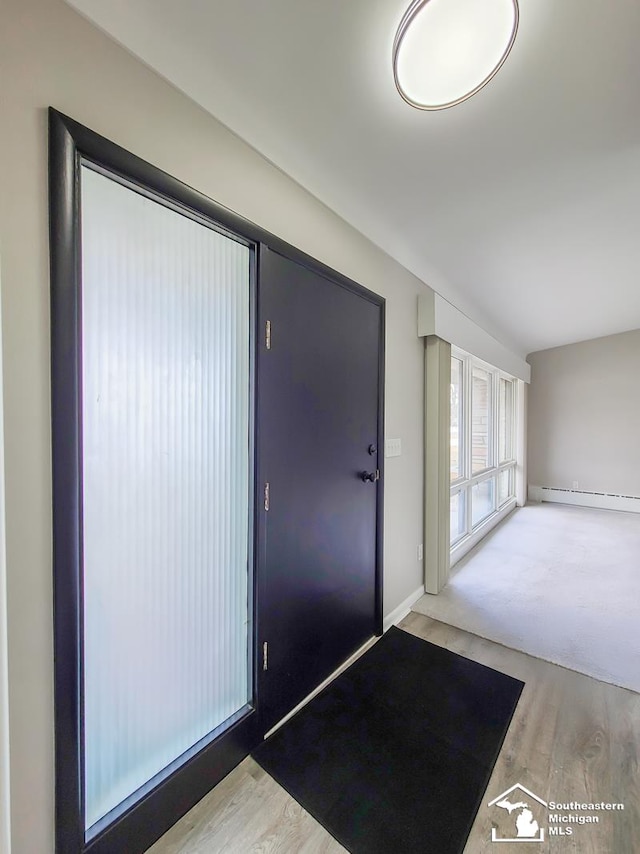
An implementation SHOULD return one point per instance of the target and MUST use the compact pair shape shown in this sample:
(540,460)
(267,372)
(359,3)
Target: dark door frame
(71,144)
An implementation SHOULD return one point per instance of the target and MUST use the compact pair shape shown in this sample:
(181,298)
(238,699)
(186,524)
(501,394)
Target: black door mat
(394,756)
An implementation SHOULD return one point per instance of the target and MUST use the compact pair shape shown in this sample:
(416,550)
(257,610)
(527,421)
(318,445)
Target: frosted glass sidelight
(165,410)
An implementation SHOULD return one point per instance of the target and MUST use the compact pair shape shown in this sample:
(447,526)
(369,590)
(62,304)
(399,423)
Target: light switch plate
(392,447)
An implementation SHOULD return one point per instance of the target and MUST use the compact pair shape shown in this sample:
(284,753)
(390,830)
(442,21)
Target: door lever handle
(371,476)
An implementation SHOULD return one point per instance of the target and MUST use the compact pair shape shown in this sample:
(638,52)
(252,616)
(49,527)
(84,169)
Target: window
(505,485)
(482,443)
(456,418)
(505,420)
(165,419)
(457,515)
(482,499)
(480,420)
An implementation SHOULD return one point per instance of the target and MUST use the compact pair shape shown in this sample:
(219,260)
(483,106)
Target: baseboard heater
(581,498)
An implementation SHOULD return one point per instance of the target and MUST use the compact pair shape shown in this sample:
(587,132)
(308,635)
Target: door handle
(371,476)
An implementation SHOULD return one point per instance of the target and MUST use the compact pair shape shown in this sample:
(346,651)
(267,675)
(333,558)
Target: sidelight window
(165,490)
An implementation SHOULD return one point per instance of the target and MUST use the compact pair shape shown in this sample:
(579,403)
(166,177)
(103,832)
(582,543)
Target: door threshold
(365,646)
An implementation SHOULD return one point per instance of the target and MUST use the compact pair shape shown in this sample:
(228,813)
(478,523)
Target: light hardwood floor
(572,738)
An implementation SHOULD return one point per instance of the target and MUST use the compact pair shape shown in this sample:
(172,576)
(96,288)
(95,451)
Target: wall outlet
(393,447)
(420,552)
(574,485)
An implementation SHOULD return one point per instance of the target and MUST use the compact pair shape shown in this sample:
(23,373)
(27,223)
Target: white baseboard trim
(601,501)
(403,609)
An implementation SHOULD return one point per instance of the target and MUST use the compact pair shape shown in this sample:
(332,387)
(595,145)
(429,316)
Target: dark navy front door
(318,410)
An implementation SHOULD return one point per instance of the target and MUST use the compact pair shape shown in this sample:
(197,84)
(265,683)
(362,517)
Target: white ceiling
(521,205)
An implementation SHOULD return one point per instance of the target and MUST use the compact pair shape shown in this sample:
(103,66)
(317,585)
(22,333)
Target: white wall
(584,412)
(5,821)
(52,56)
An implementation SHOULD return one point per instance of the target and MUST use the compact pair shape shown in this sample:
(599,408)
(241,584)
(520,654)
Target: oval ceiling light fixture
(447,50)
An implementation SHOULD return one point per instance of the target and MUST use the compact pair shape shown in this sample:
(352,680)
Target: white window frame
(466,482)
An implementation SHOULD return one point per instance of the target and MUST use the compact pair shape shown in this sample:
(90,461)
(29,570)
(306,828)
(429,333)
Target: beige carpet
(561,583)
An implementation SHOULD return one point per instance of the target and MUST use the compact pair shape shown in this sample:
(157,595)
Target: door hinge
(267,334)
(266,496)
(265,656)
